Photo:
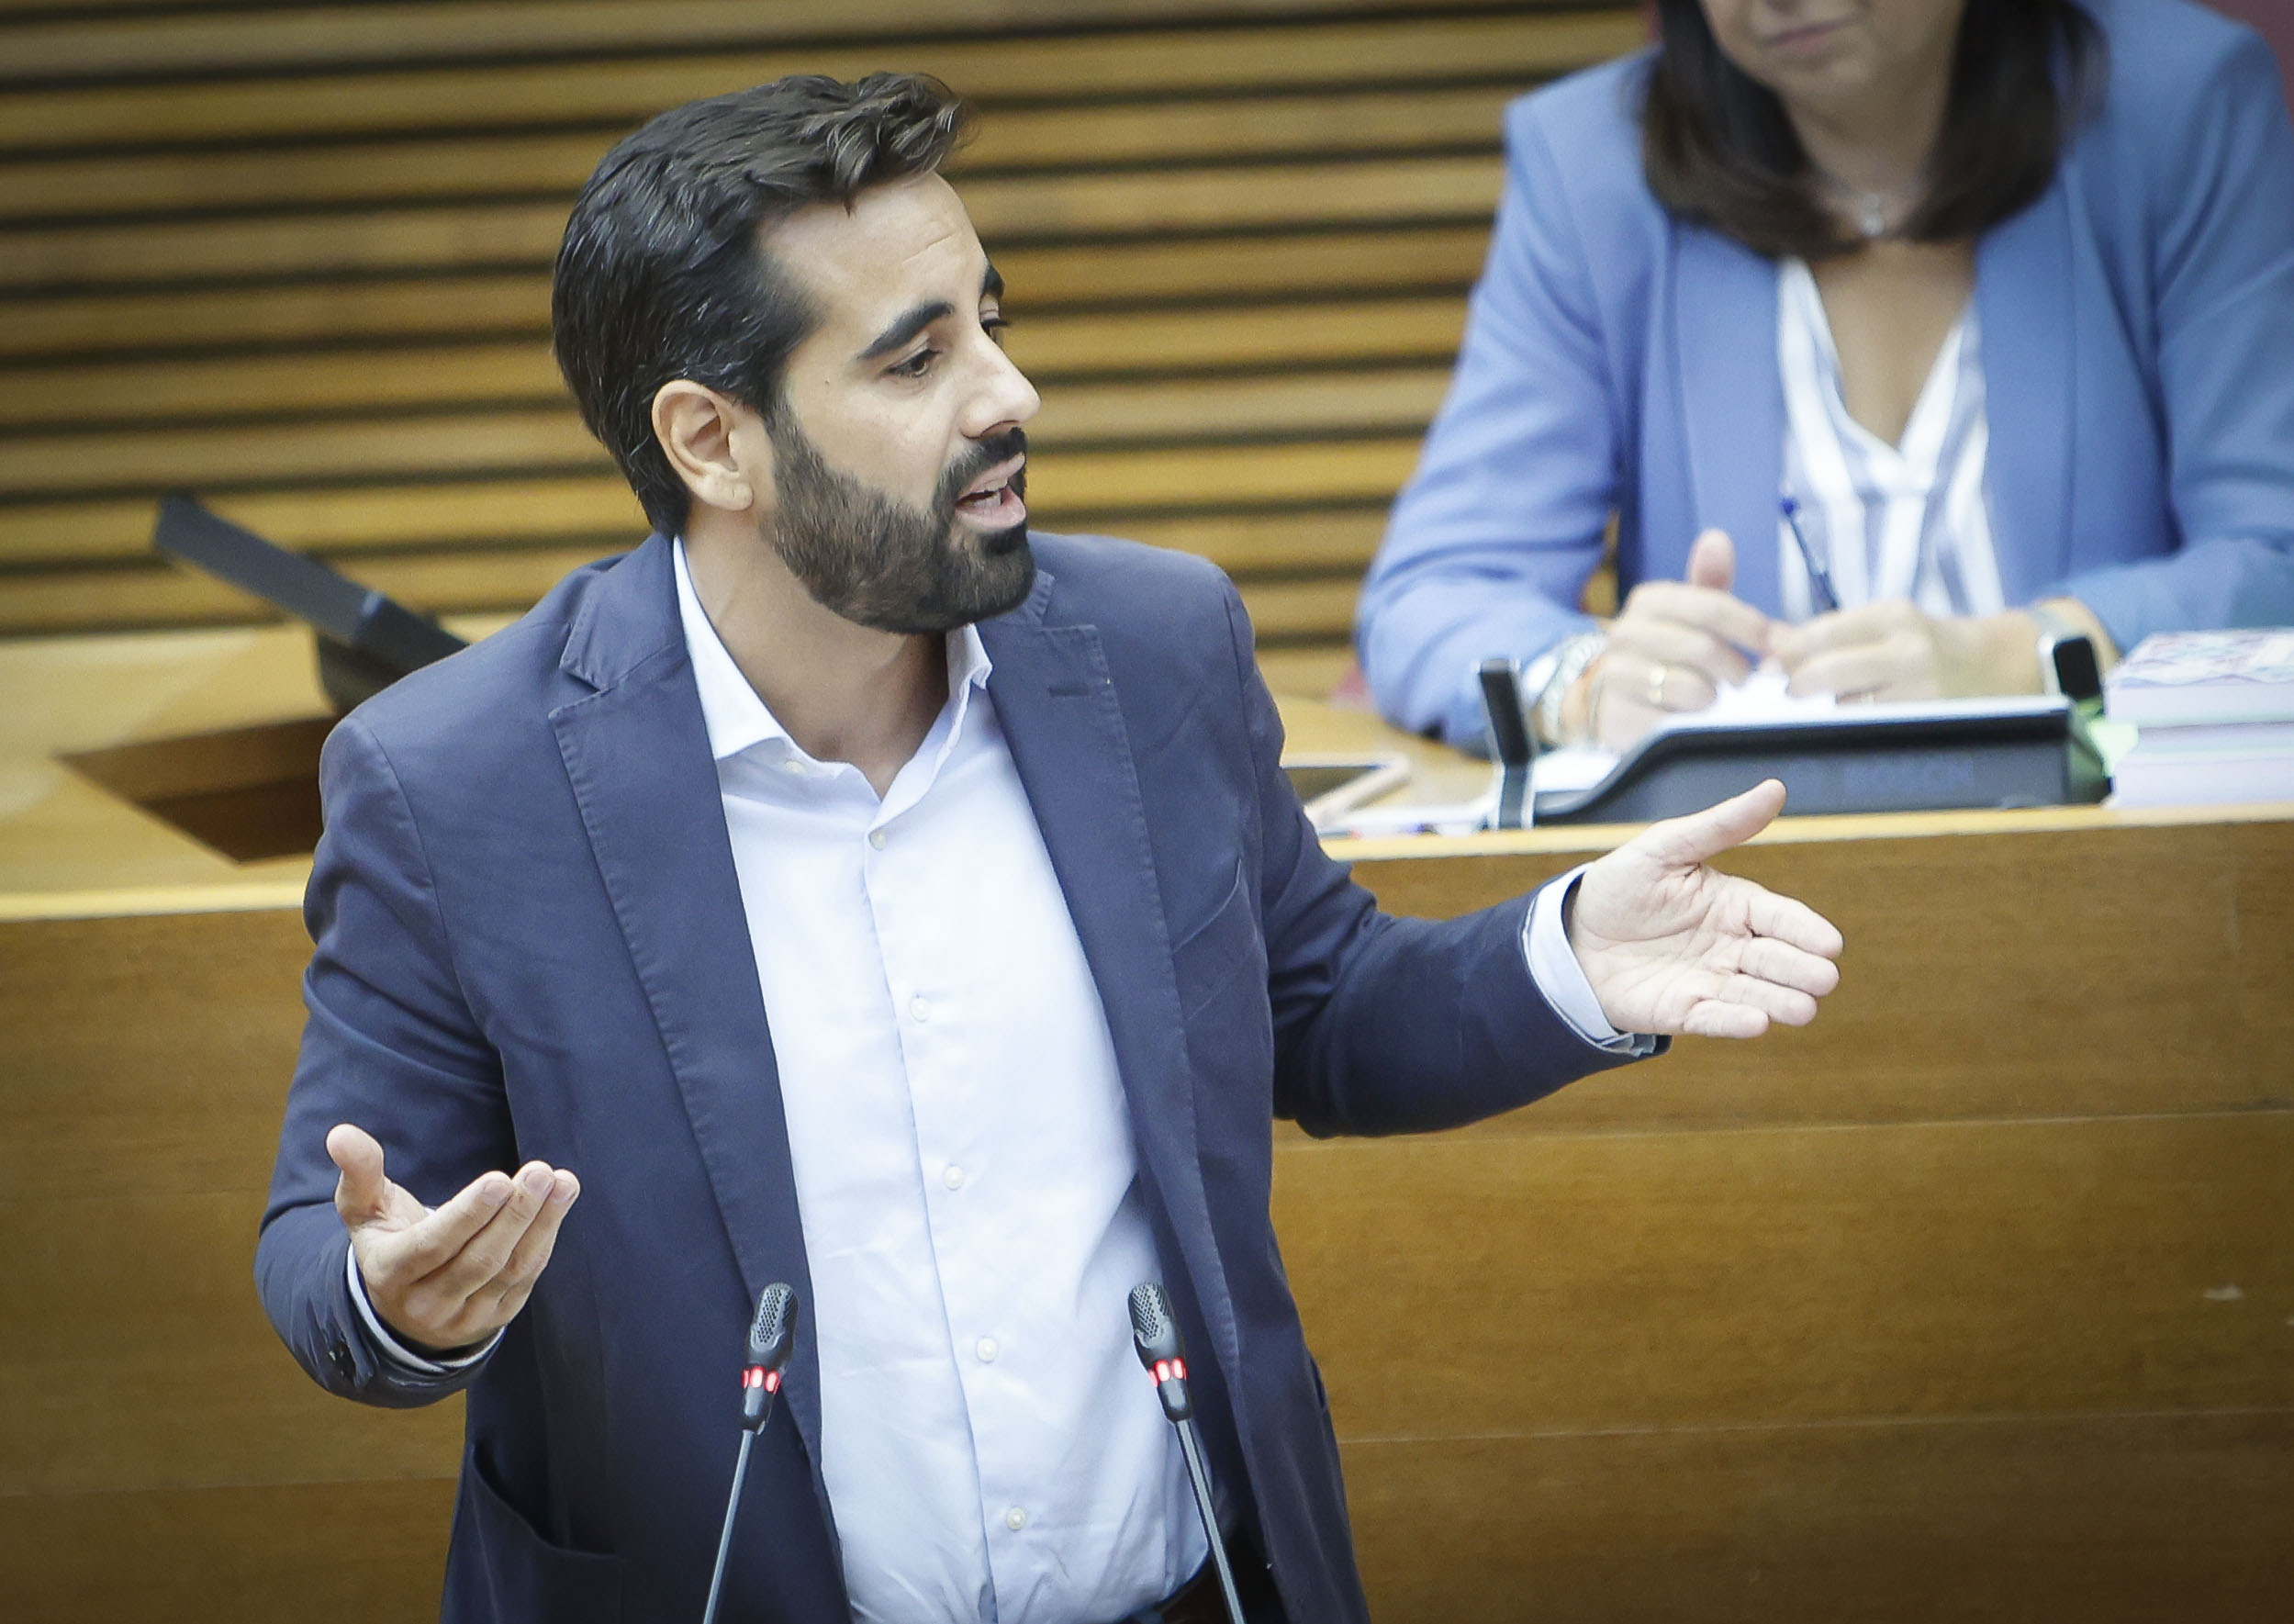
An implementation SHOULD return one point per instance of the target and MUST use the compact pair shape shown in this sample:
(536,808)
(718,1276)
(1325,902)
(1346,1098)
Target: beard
(872,559)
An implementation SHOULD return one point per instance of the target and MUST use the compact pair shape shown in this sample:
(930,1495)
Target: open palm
(1672,947)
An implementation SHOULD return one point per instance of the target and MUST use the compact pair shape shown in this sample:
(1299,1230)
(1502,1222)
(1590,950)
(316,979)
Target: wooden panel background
(1976,1299)
(298,259)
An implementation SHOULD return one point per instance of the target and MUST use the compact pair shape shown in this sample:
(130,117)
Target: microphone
(1163,1353)
(772,1334)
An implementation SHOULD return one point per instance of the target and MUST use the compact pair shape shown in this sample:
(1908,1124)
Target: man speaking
(849,887)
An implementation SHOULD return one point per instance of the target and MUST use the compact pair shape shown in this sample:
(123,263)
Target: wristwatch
(2067,665)
(1548,678)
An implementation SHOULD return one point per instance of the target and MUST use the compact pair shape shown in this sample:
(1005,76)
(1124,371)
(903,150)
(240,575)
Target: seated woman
(1899,337)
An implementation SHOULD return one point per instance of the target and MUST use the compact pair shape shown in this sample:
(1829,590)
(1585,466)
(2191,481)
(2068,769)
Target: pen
(1826,599)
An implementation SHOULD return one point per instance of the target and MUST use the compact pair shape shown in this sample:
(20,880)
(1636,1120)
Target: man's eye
(995,326)
(916,366)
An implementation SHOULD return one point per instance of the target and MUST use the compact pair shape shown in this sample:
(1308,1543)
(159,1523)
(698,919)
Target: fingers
(464,1271)
(486,1253)
(1688,841)
(1680,645)
(1731,619)
(1714,1017)
(361,1193)
(1713,561)
(1885,650)
(1899,667)
(1655,687)
(1781,964)
(1845,628)
(428,1246)
(532,1253)
(1789,921)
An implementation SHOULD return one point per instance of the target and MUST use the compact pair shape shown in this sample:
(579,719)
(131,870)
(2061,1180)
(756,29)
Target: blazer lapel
(1056,702)
(1732,406)
(637,753)
(2024,294)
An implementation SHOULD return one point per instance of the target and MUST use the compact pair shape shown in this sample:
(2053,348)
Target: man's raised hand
(1671,946)
(447,1277)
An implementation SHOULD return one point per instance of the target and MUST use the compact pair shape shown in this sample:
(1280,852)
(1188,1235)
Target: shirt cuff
(1559,977)
(397,1352)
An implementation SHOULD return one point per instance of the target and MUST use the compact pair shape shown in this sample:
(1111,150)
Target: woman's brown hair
(1717,149)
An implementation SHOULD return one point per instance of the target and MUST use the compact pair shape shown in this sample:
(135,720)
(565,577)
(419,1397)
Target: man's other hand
(447,1277)
(1673,948)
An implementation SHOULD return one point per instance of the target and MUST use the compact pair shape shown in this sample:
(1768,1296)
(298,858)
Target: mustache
(977,459)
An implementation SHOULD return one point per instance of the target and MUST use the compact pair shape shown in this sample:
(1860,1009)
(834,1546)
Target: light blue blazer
(2138,325)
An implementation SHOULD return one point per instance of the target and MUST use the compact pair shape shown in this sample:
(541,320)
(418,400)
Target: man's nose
(1005,400)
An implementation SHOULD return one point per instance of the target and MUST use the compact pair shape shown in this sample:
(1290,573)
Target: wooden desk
(1976,1299)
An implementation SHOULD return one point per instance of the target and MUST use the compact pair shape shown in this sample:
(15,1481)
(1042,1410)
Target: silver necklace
(1871,208)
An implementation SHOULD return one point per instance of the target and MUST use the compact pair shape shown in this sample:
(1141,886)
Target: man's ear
(700,432)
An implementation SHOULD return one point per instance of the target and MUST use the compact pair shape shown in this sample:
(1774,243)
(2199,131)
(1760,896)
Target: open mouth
(994,502)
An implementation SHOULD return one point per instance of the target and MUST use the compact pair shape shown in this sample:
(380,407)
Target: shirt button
(954,1177)
(876,839)
(919,1009)
(1016,1518)
(986,1348)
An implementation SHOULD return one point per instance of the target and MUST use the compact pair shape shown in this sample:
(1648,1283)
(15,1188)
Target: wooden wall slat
(1072,488)
(342,36)
(520,437)
(1051,277)
(388,542)
(311,314)
(480,578)
(1005,209)
(1676,1282)
(2110,1025)
(1310,126)
(310,281)
(1310,54)
(1998,1520)
(342,519)
(1049,348)
(1784,1275)
(372,1553)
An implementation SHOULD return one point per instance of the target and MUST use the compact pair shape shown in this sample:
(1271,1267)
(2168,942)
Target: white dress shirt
(1905,520)
(965,1168)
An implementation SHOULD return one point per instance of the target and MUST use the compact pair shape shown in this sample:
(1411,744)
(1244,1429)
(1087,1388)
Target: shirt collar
(737,720)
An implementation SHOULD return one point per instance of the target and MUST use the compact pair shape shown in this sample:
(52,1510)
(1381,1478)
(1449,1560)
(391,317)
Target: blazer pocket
(1224,944)
(528,1576)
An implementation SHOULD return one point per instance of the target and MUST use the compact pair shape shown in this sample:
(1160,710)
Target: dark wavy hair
(663,273)
(1717,149)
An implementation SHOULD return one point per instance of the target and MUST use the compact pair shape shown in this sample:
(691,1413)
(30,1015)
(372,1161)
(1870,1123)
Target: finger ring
(1657,688)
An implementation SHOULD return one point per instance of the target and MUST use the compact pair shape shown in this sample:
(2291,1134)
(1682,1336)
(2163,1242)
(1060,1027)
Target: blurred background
(297,261)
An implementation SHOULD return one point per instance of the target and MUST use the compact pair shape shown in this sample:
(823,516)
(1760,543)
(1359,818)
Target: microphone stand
(771,1337)
(724,1541)
(1155,1337)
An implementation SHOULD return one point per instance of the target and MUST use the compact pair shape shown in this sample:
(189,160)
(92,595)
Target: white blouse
(1904,520)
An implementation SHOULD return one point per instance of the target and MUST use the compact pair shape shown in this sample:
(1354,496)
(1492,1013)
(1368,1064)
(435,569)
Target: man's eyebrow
(897,335)
(991,285)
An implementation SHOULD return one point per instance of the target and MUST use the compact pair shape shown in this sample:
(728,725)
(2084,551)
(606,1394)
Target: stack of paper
(2213,713)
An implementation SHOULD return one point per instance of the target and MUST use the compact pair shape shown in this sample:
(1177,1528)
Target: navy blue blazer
(530,942)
